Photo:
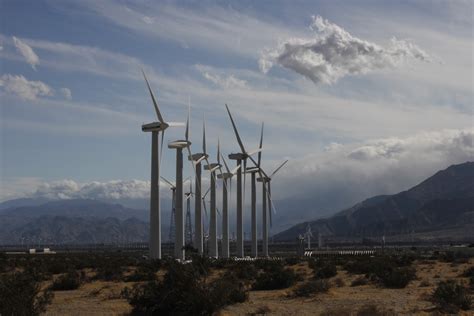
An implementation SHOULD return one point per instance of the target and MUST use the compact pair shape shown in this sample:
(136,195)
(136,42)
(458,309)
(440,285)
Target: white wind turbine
(225,212)
(212,167)
(173,201)
(155,216)
(253,171)
(179,145)
(197,161)
(267,196)
(240,157)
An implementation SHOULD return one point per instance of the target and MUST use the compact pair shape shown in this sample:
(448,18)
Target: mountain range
(442,206)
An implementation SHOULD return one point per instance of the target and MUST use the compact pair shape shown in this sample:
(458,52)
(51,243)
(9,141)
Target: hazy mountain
(444,201)
(22,202)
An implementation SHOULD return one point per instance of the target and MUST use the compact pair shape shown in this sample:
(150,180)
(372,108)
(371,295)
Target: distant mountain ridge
(443,201)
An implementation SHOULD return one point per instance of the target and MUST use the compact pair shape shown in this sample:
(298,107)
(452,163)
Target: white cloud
(27,52)
(354,172)
(222,81)
(334,53)
(66,92)
(23,88)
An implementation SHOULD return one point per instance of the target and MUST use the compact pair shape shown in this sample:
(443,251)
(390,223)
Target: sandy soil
(103,298)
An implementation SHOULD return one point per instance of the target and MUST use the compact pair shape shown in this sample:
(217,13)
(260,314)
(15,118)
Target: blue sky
(75,110)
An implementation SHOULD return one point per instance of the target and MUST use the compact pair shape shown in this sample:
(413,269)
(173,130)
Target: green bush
(451,296)
(183,291)
(311,287)
(276,278)
(109,271)
(327,270)
(20,294)
(291,261)
(398,277)
(243,271)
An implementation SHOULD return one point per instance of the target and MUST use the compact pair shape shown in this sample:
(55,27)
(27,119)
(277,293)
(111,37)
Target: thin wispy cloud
(334,53)
(27,52)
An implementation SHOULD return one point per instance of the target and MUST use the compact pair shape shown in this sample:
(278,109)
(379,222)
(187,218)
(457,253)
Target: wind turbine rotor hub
(212,166)
(198,157)
(154,127)
(238,156)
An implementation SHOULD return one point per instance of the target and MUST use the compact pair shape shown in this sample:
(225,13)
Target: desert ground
(99,297)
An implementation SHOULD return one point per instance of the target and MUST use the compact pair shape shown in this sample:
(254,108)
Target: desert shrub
(424,283)
(326,270)
(262,310)
(20,294)
(451,296)
(374,310)
(315,263)
(311,287)
(268,265)
(244,271)
(145,271)
(455,256)
(201,264)
(398,277)
(360,281)
(67,282)
(277,278)
(469,272)
(109,271)
(184,292)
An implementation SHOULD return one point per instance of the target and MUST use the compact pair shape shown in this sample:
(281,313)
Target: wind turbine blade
(235,170)
(245,179)
(157,109)
(242,148)
(204,196)
(167,181)
(253,152)
(193,164)
(260,146)
(204,136)
(176,124)
(271,205)
(186,134)
(218,151)
(225,164)
(162,144)
(276,170)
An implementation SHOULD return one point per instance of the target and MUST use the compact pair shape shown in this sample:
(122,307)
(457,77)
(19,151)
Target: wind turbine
(266,196)
(212,167)
(196,160)
(225,213)
(253,171)
(179,145)
(240,158)
(155,216)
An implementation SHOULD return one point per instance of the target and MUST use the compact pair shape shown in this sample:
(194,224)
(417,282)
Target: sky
(362,97)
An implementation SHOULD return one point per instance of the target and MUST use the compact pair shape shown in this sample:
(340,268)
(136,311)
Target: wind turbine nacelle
(154,127)
(238,156)
(225,175)
(212,166)
(252,170)
(179,144)
(198,157)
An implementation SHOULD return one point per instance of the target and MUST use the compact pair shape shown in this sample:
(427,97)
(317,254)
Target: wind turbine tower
(267,196)
(240,158)
(189,227)
(179,145)
(212,167)
(198,221)
(155,216)
(225,212)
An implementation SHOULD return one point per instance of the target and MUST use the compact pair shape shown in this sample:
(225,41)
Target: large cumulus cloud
(334,53)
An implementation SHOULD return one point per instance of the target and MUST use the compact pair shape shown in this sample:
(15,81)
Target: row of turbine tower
(198,161)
